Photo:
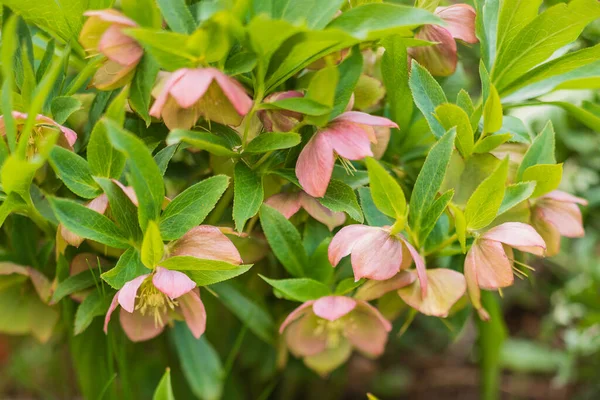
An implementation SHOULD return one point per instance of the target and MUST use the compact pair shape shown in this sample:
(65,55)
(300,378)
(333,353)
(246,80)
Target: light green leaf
(394,68)
(62,107)
(434,213)
(122,209)
(153,247)
(302,105)
(163,157)
(170,50)
(128,267)
(492,112)
(450,116)
(190,263)
(341,198)
(316,14)
(74,171)
(463,100)
(73,284)
(349,72)
(248,194)
(178,15)
(484,203)
(164,391)
(144,12)
(141,87)
(514,16)
(373,216)
(428,94)
(269,141)
(210,142)
(298,289)
(541,151)
(516,194)
(385,190)
(547,177)
(491,142)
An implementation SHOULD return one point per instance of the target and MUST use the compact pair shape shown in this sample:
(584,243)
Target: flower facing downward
(289,204)
(103,33)
(324,331)
(151,301)
(43,126)
(556,214)
(489,262)
(376,253)
(441,59)
(349,136)
(188,94)
(280,120)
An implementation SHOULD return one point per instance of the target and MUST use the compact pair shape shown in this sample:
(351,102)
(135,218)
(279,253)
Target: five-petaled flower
(489,262)
(349,136)
(151,301)
(325,331)
(441,58)
(188,94)
(290,203)
(103,33)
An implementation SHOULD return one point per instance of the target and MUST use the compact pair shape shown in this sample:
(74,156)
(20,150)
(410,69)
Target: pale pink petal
(287,204)
(377,256)
(304,338)
(420,265)
(128,292)
(161,100)
(172,283)
(129,192)
(69,237)
(333,307)
(344,241)
(110,15)
(294,315)
(235,92)
(315,165)
(518,235)
(176,117)
(321,213)
(471,277)
(372,290)
(192,86)
(439,59)
(9,268)
(460,21)
(382,139)
(193,312)
(99,204)
(349,140)
(118,47)
(565,197)
(140,327)
(445,287)
(113,306)
(367,331)
(548,231)
(566,217)
(369,309)
(206,242)
(494,269)
(365,119)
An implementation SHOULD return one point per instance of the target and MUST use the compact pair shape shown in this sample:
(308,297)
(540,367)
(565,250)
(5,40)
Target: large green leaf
(94,305)
(164,390)
(341,198)
(141,87)
(314,13)
(394,68)
(122,209)
(128,267)
(248,194)
(270,141)
(450,116)
(385,190)
(153,247)
(74,171)
(485,202)
(428,94)
(299,289)
(514,16)
(210,142)
(541,150)
(178,15)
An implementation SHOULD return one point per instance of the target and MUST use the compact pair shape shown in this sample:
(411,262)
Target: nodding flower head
(280,120)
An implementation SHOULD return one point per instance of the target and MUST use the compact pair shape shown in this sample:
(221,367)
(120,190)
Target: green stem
(443,245)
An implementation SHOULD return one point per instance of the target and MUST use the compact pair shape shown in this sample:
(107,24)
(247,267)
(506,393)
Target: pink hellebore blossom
(280,120)
(556,214)
(349,135)
(43,124)
(441,59)
(489,263)
(289,204)
(376,253)
(103,33)
(188,94)
(324,331)
(151,301)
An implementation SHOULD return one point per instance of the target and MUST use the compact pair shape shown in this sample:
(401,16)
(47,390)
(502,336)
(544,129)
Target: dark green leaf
(203,141)
(269,141)
(341,198)
(74,171)
(178,15)
(62,107)
(248,194)
(516,194)
(128,267)
(541,151)
(74,283)
(428,94)
(94,305)
(141,87)
(299,289)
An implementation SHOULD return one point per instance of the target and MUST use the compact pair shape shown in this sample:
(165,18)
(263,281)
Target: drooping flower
(289,204)
(103,34)
(557,214)
(43,126)
(489,262)
(376,253)
(280,120)
(323,332)
(349,136)
(151,301)
(188,94)
(441,59)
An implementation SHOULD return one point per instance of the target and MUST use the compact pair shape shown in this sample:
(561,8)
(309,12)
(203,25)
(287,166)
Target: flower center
(348,166)
(152,301)
(333,330)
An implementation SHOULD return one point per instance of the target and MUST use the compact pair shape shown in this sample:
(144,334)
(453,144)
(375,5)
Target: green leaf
(486,26)
(16,175)
(535,42)
(347,285)
(285,241)
(170,50)
(63,106)
(190,263)
(210,142)
(200,363)
(394,69)
(8,48)
(299,289)
(376,20)
(484,203)
(122,209)
(191,206)
(258,320)
(349,71)
(74,171)
(141,87)
(128,267)
(373,216)
(430,179)
(270,141)
(516,194)
(427,94)
(248,194)
(163,157)
(316,14)
(144,12)
(541,151)
(514,16)
(584,116)
(205,277)
(463,100)
(341,198)
(302,105)
(88,223)
(491,142)
(178,15)
(386,192)
(73,284)
(450,116)
(94,305)
(319,267)
(153,247)
(164,391)
(492,112)
(144,175)
(240,63)
(434,213)
(547,177)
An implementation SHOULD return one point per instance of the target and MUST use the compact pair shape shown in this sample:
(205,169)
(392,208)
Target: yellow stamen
(154,302)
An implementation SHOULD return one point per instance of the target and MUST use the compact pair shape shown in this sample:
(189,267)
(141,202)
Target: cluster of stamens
(332,329)
(152,301)
(348,166)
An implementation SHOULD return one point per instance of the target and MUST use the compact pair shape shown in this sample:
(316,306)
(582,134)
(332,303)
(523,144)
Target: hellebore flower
(289,204)
(349,136)
(280,120)
(151,301)
(489,263)
(103,33)
(376,253)
(43,126)
(190,93)
(556,214)
(444,288)
(325,331)
(441,59)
